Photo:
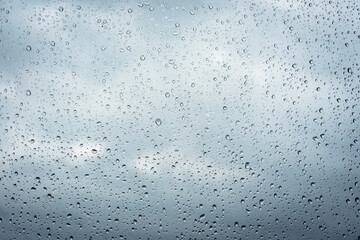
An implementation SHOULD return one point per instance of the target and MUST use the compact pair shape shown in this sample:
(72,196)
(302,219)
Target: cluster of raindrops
(179,120)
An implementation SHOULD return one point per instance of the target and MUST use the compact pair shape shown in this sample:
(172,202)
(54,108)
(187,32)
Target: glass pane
(179,119)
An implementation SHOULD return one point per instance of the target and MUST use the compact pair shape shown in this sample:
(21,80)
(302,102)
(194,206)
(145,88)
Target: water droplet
(28,93)
(61,9)
(158,121)
(28,48)
(94,151)
(142,57)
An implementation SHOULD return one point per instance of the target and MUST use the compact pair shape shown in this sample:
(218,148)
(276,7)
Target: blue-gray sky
(179,120)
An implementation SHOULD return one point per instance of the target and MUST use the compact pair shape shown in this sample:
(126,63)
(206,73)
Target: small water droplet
(28,93)
(158,121)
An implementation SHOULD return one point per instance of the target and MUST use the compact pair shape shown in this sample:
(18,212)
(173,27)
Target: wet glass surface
(179,119)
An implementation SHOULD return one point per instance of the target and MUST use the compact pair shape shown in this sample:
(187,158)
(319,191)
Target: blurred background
(179,119)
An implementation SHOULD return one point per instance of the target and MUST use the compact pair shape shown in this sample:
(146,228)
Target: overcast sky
(179,120)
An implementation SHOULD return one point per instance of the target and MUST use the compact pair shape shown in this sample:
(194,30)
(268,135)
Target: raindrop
(158,121)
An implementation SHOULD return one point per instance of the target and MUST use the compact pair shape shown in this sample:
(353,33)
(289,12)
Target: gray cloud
(258,108)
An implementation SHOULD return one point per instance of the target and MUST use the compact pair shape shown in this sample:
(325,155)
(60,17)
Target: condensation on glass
(179,119)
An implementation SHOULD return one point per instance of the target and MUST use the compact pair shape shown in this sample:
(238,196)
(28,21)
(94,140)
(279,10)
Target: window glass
(179,119)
